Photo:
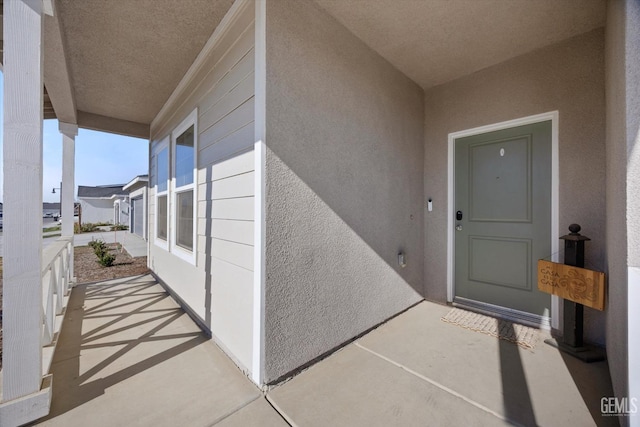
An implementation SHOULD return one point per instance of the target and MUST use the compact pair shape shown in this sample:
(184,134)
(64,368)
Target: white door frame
(556,307)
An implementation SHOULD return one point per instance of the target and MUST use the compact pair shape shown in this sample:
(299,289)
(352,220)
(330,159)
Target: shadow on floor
(106,337)
(515,390)
(418,370)
(594,383)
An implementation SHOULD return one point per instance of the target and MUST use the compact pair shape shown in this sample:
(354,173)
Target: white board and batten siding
(222,91)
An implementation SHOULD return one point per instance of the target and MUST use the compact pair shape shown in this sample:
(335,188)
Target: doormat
(524,336)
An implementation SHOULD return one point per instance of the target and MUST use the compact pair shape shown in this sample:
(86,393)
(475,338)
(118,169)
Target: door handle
(458,227)
(459,216)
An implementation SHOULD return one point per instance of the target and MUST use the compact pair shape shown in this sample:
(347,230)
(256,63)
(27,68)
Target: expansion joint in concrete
(438,385)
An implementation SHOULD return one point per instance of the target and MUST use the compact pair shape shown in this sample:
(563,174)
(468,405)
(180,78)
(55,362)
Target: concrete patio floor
(129,356)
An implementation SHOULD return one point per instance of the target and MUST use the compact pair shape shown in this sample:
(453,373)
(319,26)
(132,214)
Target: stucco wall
(97,210)
(616,225)
(344,186)
(568,77)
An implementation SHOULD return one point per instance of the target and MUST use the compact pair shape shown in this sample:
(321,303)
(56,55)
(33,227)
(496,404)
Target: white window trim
(164,244)
(179,251)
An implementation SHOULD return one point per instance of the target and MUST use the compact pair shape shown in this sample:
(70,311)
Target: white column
(22,292)
(69,133)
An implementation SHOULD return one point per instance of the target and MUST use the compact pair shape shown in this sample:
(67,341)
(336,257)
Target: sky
(101,158)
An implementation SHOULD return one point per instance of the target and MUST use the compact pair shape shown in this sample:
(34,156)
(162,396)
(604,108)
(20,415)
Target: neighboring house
(137,190)
(317,167)
(104,203)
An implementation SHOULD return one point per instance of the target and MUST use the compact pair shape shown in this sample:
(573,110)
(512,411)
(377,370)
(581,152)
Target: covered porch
(128,355)
(327,74)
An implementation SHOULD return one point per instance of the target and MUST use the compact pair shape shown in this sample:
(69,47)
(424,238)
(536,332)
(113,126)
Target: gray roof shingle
(101,191)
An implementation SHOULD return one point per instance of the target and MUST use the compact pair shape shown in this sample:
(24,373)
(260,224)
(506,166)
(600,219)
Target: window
(183,213)
(184,158)
(162,218)
(161,165)
(173,173)
(184,229)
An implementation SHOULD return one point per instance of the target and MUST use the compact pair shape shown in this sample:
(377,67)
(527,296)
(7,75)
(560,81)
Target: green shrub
(88,227)
(119,227)
(107,259)
(97,243)
(100,248)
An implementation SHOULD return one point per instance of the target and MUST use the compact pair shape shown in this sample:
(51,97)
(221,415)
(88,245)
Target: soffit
(435,41)
(126,57)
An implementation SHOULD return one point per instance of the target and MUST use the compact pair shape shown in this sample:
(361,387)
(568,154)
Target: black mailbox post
(573,316)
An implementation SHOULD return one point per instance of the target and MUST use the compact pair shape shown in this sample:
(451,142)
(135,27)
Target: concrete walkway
(135,245)
(129,356)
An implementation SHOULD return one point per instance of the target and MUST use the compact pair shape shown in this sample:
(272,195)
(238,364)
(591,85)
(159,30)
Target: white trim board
(633,337)
(134,181)
(556,307)
(259,237)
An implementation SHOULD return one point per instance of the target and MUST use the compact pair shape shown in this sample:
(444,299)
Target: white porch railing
(56,286)
(56,281)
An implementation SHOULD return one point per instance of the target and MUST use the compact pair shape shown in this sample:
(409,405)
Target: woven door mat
(524,336)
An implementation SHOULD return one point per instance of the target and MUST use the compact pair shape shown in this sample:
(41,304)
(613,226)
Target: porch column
(22,168)
(69,132)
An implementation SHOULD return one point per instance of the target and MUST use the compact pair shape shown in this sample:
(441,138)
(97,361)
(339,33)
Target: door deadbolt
(459,216)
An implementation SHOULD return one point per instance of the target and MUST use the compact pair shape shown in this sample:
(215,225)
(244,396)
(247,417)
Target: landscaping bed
(87,269)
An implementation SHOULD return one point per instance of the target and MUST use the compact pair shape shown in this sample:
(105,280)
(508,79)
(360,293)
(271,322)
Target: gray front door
(503,216)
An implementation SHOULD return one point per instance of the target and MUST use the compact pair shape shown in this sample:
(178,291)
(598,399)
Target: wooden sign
(573,283)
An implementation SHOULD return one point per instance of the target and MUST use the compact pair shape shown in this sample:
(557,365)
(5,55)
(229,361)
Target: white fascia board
(99,198)
(134,181)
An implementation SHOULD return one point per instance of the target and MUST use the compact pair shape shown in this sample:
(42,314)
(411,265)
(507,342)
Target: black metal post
(573,318)
(573,312)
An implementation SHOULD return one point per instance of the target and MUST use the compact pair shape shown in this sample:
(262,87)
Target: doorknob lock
(458,227)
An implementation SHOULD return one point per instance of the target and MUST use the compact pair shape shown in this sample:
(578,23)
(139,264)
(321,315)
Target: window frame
(162,145)
(181,252)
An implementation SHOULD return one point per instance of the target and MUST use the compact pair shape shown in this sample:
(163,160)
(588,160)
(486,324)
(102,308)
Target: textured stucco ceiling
(125,57)
(435,41)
